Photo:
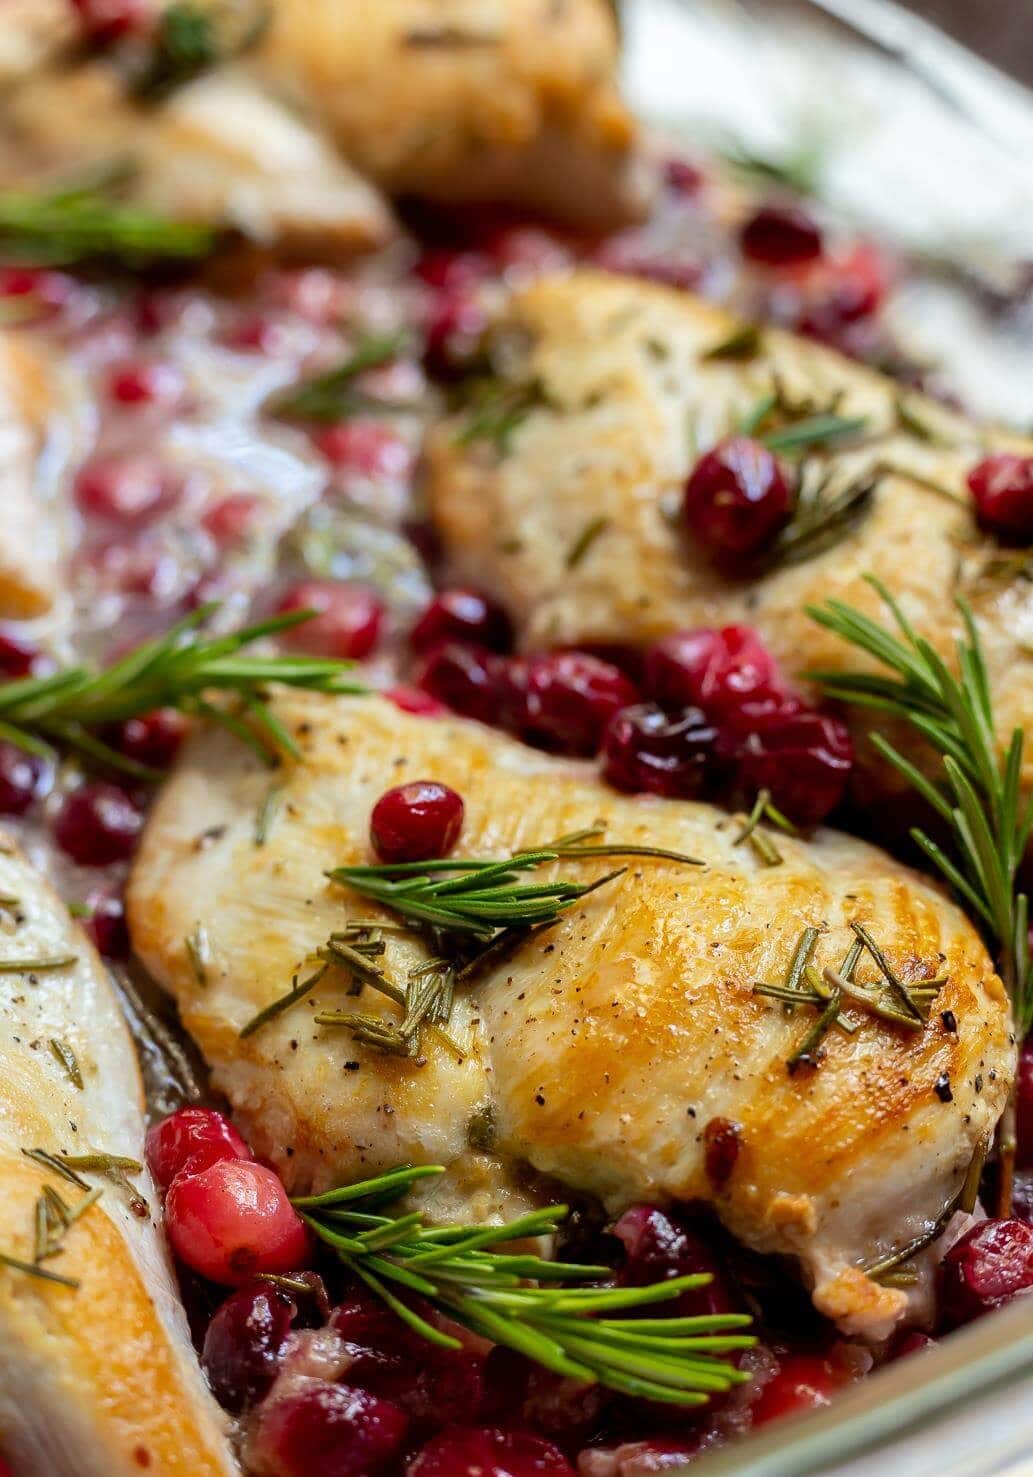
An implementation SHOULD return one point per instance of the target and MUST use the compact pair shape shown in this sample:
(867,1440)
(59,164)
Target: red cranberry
(329,1430)
(365,447)
(721,1145)
(804,759)
(988,1267)
(1002,486)
(417,821)
(244,1342)
(19,658)
(153,739)
(98,824)
(780,236)
(803,1382)
(1024,1106)
(127,489)
(347,621)
(563,700)
(453,270)
(469,1451)
(106,925)
(467,679)
(454,329)
(106,21)
(146,384)
(232,1220)
(736,499)
(22,778)
(190,1140)
(412,700)
(657,1248)
(649,751)
(723,672)
(840,293)
(462,615)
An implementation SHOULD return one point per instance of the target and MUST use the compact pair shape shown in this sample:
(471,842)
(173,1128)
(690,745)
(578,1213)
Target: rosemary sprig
(522,1301)
(87,225)
(826,510)
(332,396)
(191,38)
(175,670)
(825,429)
(497,410)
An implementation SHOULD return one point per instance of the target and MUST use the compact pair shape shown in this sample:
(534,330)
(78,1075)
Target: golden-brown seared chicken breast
(29,537)
(97,1379)
(604,1048)
(622,398)
(511,101)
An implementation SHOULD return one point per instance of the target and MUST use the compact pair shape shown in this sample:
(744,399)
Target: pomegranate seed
(106,21)
(470,1451)
(805,759)
(136,566)
(256,335)
(736,499)
(232,1220)
(332,1430)
(454,329)
(721,672)
(721,1145)
(19,658)
(22,779)
(1002,486)
(107,926)
(98,824)
(231,519)
(649,751)
(49,291)
(244,1342)
(988,1267)
(347,621)
(153,739)
(146,384)
(314,293)
(780,236)
(563,700)
(658,1247)
(462,615)
(128,489)
(682,177)
(190,1140)
(415,822)
(453,271)
(803,1382)
(467,679)
(366,447)
(412,700)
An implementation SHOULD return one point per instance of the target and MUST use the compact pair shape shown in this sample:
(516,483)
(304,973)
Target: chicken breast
(98,1379)
(607,1051)
(510,101)
(622,398)
(30,542)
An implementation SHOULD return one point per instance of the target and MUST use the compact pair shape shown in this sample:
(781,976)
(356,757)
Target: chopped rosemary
(33,1269)
(85,225)
(198,952)
(64,1054)
(524,1302)
(763,809)
(744,342)
(332,396)
(267,813)
(584,541)
(37,966)
(297,992)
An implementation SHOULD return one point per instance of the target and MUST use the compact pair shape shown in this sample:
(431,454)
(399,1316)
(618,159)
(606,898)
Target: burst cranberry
(462,615)
(657,1248)
(721,1145)
(412,700)
(190,1140)
(454,329)
(736,499)
(232,1220)
(153,739)
(106,21)
(563,700)
(346,624)
(19,658)
(649,751)
(803,1382)
(146,384)
(22,777)
(244,1342)
(365,447)
(989,1266)
(1002,486)
(727,673)
(804,759)
(467,679)
(780,236)
(469,1451)
(332,1430)
(415,822)
(126,489)
(231,519)
(107,926)
(98,824)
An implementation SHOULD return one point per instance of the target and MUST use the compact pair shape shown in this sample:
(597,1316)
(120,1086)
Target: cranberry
(22,778)
(563,700)
(366,447)
(98,824)
(721,1145)
(989,1266)
(648,750)
(657,1248)
(153,739)
(467,679)
(347,621)
(417,821)
(462,615)
(736,499)
(243,1344)
(332,1430)
(804,759)
(146,384)
(843,292)
(454,329)
(1024,1106)
(724,672)
(19,658)
(190,1140)
(1002,486)
(106,925)
(412,700)
(780,236)
(803,1382)
(106,21)
(470,1451)
(232,1220)
(127,489)
(231,519)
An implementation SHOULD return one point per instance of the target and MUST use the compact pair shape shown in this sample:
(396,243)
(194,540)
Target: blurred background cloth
(1001,29)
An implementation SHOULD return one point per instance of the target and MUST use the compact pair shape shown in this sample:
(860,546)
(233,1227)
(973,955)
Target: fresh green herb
(826,511)
(191,38)
(799,169)
(32,1269)
(815,430)
(584,541)
(498,410)
(763,809)
(267,813)
(64,1054)
(174,671)
(524,1302)
(72,226)
(297,992)
(744,342)
(332,396)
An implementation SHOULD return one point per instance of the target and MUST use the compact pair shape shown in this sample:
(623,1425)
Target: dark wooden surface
(1001,29)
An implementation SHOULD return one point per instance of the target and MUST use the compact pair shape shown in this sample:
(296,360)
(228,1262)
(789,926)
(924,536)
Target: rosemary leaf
(584,541)
(64,1054)
(332,396)
(744,342)
(87,226)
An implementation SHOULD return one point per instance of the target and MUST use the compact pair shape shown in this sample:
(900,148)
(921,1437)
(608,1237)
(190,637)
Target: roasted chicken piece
(605,1052)
(98,1378)
(622,391)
